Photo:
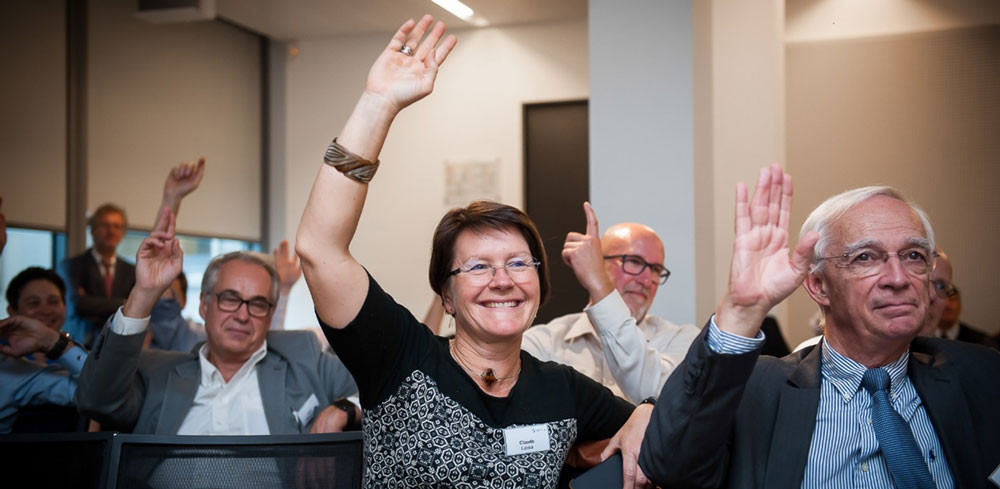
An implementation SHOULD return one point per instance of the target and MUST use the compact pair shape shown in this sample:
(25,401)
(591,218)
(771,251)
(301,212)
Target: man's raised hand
(763,272)
(583,254)
(157,263)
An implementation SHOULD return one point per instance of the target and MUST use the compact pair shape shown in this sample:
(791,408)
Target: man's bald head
(630,238)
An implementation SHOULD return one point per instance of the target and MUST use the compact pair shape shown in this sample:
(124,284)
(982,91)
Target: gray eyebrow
(921,242)
(857,245)
(869,243)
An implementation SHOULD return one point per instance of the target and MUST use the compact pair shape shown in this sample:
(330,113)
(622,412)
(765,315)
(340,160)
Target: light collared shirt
(950,333)
(220,408)
(100,262)
(843,451)
(25,383)
(227,408)
(606,344)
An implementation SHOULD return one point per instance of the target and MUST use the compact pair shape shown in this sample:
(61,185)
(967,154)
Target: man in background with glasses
(614,341)
(244,380)
(872,405)
(947,302)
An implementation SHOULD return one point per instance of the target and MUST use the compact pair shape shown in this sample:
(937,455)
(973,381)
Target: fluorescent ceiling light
(457,8)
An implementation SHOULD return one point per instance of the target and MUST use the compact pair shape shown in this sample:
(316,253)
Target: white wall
(811,20)
(474,114)
(642,133)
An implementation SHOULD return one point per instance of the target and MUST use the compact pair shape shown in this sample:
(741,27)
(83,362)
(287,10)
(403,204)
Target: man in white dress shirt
(244,380)
(614,340)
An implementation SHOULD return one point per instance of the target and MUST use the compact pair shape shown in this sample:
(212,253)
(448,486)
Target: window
(31,247)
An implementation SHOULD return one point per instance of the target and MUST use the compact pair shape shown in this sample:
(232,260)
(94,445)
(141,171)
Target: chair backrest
(329,461)
(56,460)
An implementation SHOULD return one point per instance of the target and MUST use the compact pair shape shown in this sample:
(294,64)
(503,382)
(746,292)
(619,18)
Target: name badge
(526,439)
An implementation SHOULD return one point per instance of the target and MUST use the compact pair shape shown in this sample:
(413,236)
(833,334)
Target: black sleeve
(381,346)
(687,442)
(600,413)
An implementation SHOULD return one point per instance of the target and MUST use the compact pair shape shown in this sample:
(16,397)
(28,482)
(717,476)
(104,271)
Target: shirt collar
(97,258)
(845,374)
(950,333)
(210,374)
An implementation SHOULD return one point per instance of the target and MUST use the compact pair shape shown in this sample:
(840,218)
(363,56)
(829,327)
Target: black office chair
(56,460)
(328,461)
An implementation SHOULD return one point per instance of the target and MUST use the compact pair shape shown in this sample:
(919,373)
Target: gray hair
(835,207)
(211,276)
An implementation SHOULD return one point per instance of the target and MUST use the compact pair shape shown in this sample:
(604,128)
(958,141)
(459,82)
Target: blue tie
(900,450)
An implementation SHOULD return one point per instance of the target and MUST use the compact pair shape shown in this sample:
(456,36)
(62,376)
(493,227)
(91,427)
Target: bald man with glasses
(614,340)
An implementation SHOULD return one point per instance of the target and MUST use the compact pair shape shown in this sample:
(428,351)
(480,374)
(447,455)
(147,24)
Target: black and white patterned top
(427,424)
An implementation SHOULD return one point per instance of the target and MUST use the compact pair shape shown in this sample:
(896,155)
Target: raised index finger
(592,228)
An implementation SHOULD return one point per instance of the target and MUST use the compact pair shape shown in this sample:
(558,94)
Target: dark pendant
(489,377)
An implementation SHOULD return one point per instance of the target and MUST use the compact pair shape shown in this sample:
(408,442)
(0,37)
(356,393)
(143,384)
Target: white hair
(835,207)
(266,262)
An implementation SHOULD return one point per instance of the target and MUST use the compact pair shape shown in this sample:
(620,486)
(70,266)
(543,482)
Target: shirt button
(869,421)
(864,467)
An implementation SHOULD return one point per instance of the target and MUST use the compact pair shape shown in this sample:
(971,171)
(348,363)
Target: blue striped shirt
(844,452)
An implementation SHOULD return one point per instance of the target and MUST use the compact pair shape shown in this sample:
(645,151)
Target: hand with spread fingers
(157,263)
(402,78)
(762,273)
(583,253)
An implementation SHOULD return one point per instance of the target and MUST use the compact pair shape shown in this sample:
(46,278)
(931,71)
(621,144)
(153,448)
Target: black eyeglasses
(635,265)
(230,302)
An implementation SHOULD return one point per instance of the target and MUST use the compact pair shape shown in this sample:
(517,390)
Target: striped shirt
(844,452)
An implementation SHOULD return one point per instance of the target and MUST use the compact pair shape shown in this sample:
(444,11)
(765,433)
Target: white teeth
(501,304)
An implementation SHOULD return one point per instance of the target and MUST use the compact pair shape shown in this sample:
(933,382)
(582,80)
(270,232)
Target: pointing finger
(591,219)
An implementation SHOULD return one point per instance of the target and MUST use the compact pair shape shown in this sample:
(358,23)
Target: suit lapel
(798,401)
(942,397)
(182,386)
(271,377)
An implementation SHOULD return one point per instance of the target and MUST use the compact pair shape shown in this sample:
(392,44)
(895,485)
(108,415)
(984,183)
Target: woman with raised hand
(474,411)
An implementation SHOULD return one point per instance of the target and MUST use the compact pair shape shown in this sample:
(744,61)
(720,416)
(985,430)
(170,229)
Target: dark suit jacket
(740,421)
(87,312)
(129,389)
(972,335)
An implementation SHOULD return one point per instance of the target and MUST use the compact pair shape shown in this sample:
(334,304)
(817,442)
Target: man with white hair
(872,405)
(614,341)
(244,380)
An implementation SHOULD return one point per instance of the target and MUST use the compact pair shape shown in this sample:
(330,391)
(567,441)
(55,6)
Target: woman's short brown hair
(479,215)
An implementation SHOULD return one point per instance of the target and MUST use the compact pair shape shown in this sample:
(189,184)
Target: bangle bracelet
(350,164)
(651,400)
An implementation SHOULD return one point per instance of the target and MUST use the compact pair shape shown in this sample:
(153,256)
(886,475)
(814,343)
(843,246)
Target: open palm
(402,79)
(763,272)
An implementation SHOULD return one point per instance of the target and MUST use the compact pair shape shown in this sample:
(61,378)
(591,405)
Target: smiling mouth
(503,304)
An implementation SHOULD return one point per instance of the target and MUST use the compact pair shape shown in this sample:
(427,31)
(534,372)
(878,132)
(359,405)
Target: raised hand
(26,335)
(762,273)
(184,179)
(583,254)
(288,266)
(402,79)
(157,263)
